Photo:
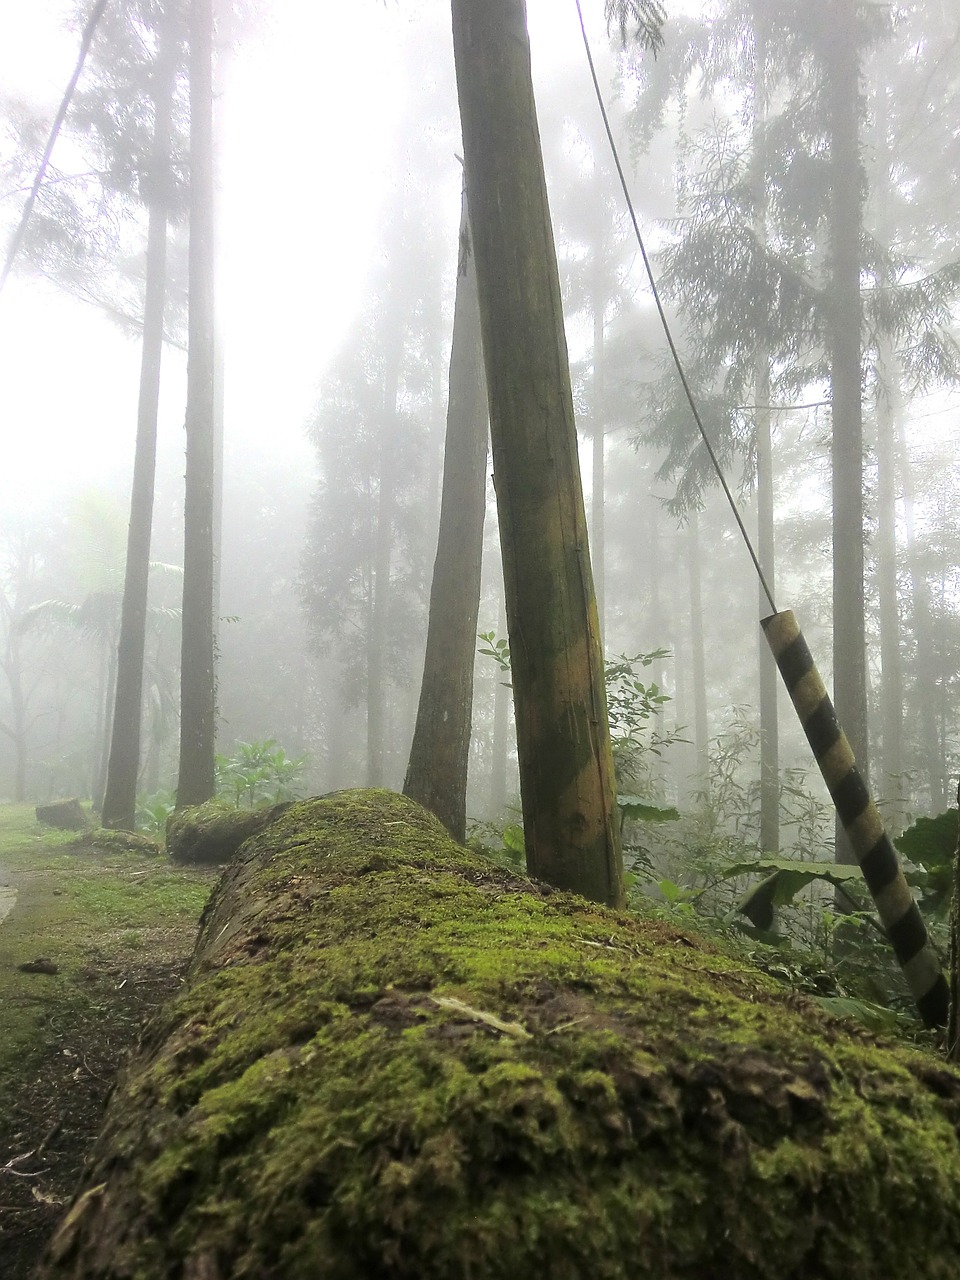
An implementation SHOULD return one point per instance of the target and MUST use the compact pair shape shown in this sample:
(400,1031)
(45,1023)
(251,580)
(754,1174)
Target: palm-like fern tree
(97,564)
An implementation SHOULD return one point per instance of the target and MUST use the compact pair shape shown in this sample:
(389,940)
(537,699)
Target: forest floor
(113,931)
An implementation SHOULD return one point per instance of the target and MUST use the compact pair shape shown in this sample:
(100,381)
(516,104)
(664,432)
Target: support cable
(17,239)
(663,318)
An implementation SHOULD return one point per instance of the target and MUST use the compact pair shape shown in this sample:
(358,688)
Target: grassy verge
(117,927)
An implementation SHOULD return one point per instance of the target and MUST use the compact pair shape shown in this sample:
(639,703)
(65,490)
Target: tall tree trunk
(766,544)
(658,628)
(698,652)
(769,680)
(105,725)
(849,639)
(377,634)
(566,765)
(888,409)
(685,752)
(598,481)
(120,797)
(926,659)
(100,727)
(891,686)
(437,770)
(16,730)
(501,735)
(197,674)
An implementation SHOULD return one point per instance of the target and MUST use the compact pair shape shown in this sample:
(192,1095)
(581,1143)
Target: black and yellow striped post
(876,855)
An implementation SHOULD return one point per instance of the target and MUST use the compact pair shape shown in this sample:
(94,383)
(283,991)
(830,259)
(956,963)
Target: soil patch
(54,1112)
(117,929)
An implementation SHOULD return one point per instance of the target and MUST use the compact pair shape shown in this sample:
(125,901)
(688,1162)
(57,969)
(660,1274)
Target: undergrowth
(74,904)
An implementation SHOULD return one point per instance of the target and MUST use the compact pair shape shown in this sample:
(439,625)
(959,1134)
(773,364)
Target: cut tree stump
(394,1059)
(65,814)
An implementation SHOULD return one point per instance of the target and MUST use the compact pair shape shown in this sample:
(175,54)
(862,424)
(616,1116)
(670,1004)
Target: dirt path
(118,932)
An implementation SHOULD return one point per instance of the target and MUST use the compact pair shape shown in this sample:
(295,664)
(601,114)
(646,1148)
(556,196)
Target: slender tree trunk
(437,770)
(383,546)
(95,780)
(197,671)
(945,671)
(766,548)
(106,725)
(439,379)
(849,639)
(16,730)
(686,751)
(566,765)
(501,735)
(598,481)
(653,552)
(891,687)
(227,37)
(926,660)
(698,649)
(889,409)
(769,679)
(120,798)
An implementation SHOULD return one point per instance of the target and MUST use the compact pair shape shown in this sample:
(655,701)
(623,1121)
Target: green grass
(89,912)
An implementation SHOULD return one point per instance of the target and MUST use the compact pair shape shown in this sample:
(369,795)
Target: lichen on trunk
(393,1059)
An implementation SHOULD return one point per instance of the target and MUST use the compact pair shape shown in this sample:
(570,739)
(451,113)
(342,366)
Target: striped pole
(878,861)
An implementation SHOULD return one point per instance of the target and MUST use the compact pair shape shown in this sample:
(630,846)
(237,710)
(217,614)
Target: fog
(338,206)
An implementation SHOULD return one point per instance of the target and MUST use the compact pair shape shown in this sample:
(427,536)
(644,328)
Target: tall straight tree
(768,681)
(195,783)
(120,796)
(437,769)
(563,738)
(841,44)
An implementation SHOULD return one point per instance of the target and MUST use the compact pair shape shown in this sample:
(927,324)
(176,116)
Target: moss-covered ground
(393,1059)
(117,925)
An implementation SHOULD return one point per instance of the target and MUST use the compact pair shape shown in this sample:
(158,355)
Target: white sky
(307,145)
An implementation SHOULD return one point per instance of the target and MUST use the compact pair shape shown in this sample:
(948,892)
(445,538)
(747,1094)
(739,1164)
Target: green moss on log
(394,1059)
(208,834)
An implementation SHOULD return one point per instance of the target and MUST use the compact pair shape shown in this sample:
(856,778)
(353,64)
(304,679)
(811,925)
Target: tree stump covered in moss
(394,1059)
(68,815)
(208,834)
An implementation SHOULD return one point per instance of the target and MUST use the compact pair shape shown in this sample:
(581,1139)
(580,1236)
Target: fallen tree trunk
(208,834)
(394,1059)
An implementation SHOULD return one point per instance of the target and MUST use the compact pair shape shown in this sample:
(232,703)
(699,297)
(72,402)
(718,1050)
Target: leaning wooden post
(878,860)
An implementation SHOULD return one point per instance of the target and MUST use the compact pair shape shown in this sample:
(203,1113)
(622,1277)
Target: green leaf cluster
(258,773)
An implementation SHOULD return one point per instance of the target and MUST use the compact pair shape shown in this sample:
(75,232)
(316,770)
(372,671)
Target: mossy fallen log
(394,1059)
(208,834)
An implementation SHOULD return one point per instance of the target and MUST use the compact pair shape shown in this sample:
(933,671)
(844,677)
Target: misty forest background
(324,572)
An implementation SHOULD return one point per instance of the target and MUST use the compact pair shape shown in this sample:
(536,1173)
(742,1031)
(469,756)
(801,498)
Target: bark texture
(197,677)
(563,740)
(437,769)
(394,1059)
